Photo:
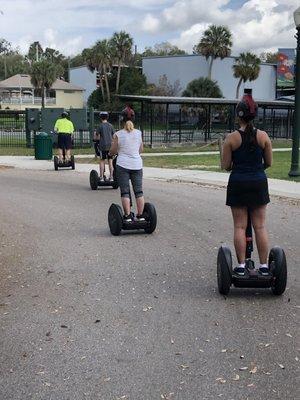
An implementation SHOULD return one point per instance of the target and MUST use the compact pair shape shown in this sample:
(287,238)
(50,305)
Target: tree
(13,63)
(43,74)
(215,43)
(121,45)
(202,87)
(246,68)
(94,62)
(133,82)
(163,49)
(165,88)
(269,57)
(5,49)
(35,52)
(53,55)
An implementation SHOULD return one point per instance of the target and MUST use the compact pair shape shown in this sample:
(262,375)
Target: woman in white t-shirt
(128,144)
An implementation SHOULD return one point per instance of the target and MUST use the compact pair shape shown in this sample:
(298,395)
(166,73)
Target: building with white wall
(82,76)
(186,68)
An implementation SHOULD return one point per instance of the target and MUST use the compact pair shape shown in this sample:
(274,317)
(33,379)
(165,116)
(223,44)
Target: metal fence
(160,124)
(163,124)
(12,128)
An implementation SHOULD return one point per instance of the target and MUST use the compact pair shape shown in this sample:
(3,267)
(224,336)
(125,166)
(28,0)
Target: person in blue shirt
(247,152)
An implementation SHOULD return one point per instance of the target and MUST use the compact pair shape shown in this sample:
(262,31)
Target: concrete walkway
(276,186)
(185,153)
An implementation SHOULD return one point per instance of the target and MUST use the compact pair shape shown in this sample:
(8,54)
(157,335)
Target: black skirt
(247,193)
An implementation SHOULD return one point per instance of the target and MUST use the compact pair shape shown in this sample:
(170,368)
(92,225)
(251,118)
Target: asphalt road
(85,315)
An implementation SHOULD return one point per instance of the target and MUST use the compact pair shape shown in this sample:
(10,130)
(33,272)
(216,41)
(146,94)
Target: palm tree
(94,62)
(43,74)
(215,43)
(121,45)
(102,52)
(246,68)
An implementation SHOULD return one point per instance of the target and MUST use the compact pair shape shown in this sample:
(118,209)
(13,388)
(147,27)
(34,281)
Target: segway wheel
(115,219)
(55,163)
(72,162)
(224,269)
(94,179)
(151,217)
(278,268)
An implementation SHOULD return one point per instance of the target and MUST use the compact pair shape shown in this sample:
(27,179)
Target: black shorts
(64,141)
(247,193)
(104,155)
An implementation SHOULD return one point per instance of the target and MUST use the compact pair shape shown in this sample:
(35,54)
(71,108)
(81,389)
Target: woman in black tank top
(247,187)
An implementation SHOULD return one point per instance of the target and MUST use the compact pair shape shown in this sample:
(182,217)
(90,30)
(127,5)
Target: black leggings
(136,177)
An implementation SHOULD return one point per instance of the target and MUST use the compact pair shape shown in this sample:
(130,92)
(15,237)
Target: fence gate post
(91,124)
(151,124)
(28,138)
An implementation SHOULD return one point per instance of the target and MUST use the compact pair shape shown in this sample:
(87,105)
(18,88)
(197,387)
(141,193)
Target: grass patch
(279,170)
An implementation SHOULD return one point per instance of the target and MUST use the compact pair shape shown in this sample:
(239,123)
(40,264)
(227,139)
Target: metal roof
(202,100)
(23,81)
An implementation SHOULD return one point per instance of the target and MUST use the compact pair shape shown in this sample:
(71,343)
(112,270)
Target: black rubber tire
(151,217)
(115,219)
(224,270)
(94,178)
(55,159)
(278,268)
(72,162)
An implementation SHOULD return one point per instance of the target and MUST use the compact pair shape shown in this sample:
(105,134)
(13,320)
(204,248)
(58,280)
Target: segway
(95,179)
(65,163)
(276,279)
(117,223)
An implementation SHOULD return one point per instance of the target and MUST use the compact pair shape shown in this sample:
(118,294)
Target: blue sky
(71,25)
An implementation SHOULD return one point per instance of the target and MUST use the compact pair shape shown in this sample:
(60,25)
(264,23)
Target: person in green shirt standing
(64,128)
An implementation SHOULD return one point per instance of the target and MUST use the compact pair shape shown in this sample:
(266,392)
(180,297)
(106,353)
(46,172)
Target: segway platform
(117,224)
(64,164)
(95,181)
(276,278)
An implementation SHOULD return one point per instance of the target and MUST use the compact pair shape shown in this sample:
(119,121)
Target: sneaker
(101,179)
(127,218)
(264,271)
(140,218)
(239,271)
(111,179)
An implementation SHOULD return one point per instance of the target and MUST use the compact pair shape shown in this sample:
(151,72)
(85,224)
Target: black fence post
(151,124)
(273,124)
(180,115)
(142,118)
(167,123)
(209,120)
(91,124)
(28,138)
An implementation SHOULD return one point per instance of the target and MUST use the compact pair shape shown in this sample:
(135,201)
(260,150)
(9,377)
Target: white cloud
(257,26)
(71,25)
(150,23)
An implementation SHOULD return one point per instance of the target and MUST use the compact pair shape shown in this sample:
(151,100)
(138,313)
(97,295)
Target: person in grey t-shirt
(105,133)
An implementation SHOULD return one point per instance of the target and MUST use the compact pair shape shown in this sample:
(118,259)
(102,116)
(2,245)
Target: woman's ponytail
(129,127)
(250,135)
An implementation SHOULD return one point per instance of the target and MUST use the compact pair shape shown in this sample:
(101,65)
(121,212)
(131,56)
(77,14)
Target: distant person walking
(65,129)
(128,113)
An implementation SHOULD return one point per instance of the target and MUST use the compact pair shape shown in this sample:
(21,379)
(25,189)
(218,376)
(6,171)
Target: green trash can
(43,146)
